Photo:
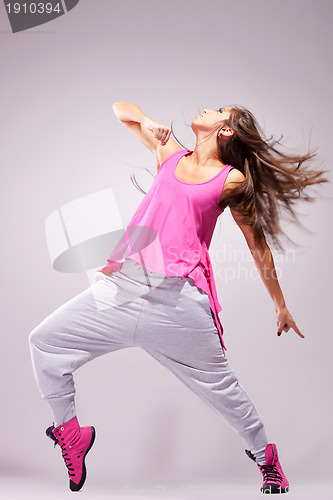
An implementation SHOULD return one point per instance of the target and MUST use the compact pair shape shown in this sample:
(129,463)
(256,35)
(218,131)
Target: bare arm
(154,135)
(264,262)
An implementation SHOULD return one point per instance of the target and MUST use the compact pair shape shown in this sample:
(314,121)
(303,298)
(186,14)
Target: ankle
(260,456)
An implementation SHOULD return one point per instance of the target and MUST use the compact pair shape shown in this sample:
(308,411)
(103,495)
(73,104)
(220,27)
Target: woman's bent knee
(38,336)
(33,337)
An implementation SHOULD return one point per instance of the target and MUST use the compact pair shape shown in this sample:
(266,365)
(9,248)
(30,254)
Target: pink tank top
(171,230)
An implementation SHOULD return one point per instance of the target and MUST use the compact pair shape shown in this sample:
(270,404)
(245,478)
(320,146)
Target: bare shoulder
(234,178)
(163,152)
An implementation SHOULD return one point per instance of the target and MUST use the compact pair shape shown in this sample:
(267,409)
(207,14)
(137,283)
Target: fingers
(286,329)
(163,137)
(166,136)
(298,332)
(280,328)
(162,134)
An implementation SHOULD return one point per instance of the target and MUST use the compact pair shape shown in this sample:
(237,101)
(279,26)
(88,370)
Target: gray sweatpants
(168,317)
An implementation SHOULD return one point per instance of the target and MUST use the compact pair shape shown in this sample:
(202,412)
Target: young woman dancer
(157,289)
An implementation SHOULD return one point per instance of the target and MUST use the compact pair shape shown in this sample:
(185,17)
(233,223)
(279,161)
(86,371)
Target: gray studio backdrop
(60,141)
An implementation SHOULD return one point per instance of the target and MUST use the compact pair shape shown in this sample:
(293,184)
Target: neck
(205,152)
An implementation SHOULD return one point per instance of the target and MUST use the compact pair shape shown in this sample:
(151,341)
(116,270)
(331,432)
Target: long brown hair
(274,180)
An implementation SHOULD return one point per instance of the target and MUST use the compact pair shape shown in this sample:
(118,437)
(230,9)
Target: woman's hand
(285,321)
(159,131)
(151,133)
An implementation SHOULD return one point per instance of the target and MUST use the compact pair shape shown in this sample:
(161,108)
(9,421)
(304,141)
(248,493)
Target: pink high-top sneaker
(75,442)
(274,480)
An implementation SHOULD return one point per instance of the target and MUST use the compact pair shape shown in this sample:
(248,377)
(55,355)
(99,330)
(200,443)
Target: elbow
(123,110)
(257,245)
(116,108)
(261,253)
(116,104)
(119,109)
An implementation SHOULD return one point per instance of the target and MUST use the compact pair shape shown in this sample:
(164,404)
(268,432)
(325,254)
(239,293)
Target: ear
(226,132)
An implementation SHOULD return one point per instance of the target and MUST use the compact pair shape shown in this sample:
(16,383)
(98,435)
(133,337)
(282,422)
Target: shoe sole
(76,487)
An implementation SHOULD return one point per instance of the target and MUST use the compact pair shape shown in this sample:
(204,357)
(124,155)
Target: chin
(194,125)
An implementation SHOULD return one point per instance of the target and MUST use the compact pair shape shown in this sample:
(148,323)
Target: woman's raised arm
(154,135)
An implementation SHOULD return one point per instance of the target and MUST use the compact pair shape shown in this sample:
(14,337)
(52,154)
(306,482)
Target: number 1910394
(33,8)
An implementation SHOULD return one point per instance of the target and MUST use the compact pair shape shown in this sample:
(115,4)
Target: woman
(157,289)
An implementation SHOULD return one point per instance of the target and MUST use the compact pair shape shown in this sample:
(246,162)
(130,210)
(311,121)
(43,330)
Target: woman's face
(210,120)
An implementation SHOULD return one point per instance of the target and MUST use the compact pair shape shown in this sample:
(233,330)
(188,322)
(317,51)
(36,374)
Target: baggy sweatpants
(168,317)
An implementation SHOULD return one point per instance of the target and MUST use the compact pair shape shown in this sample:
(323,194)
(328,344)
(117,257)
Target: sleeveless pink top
(171,230)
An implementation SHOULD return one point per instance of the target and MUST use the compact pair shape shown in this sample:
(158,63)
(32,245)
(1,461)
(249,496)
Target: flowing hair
(274,180)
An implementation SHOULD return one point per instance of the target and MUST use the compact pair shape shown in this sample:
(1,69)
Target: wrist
(278,305)
(146,122)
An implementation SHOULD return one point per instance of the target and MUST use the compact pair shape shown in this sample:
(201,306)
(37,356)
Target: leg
(101,319)
(188,344)
(89,325)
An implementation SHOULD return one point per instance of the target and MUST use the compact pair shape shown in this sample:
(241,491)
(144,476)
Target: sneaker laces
(66,459)
(271,473)
(49,433)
